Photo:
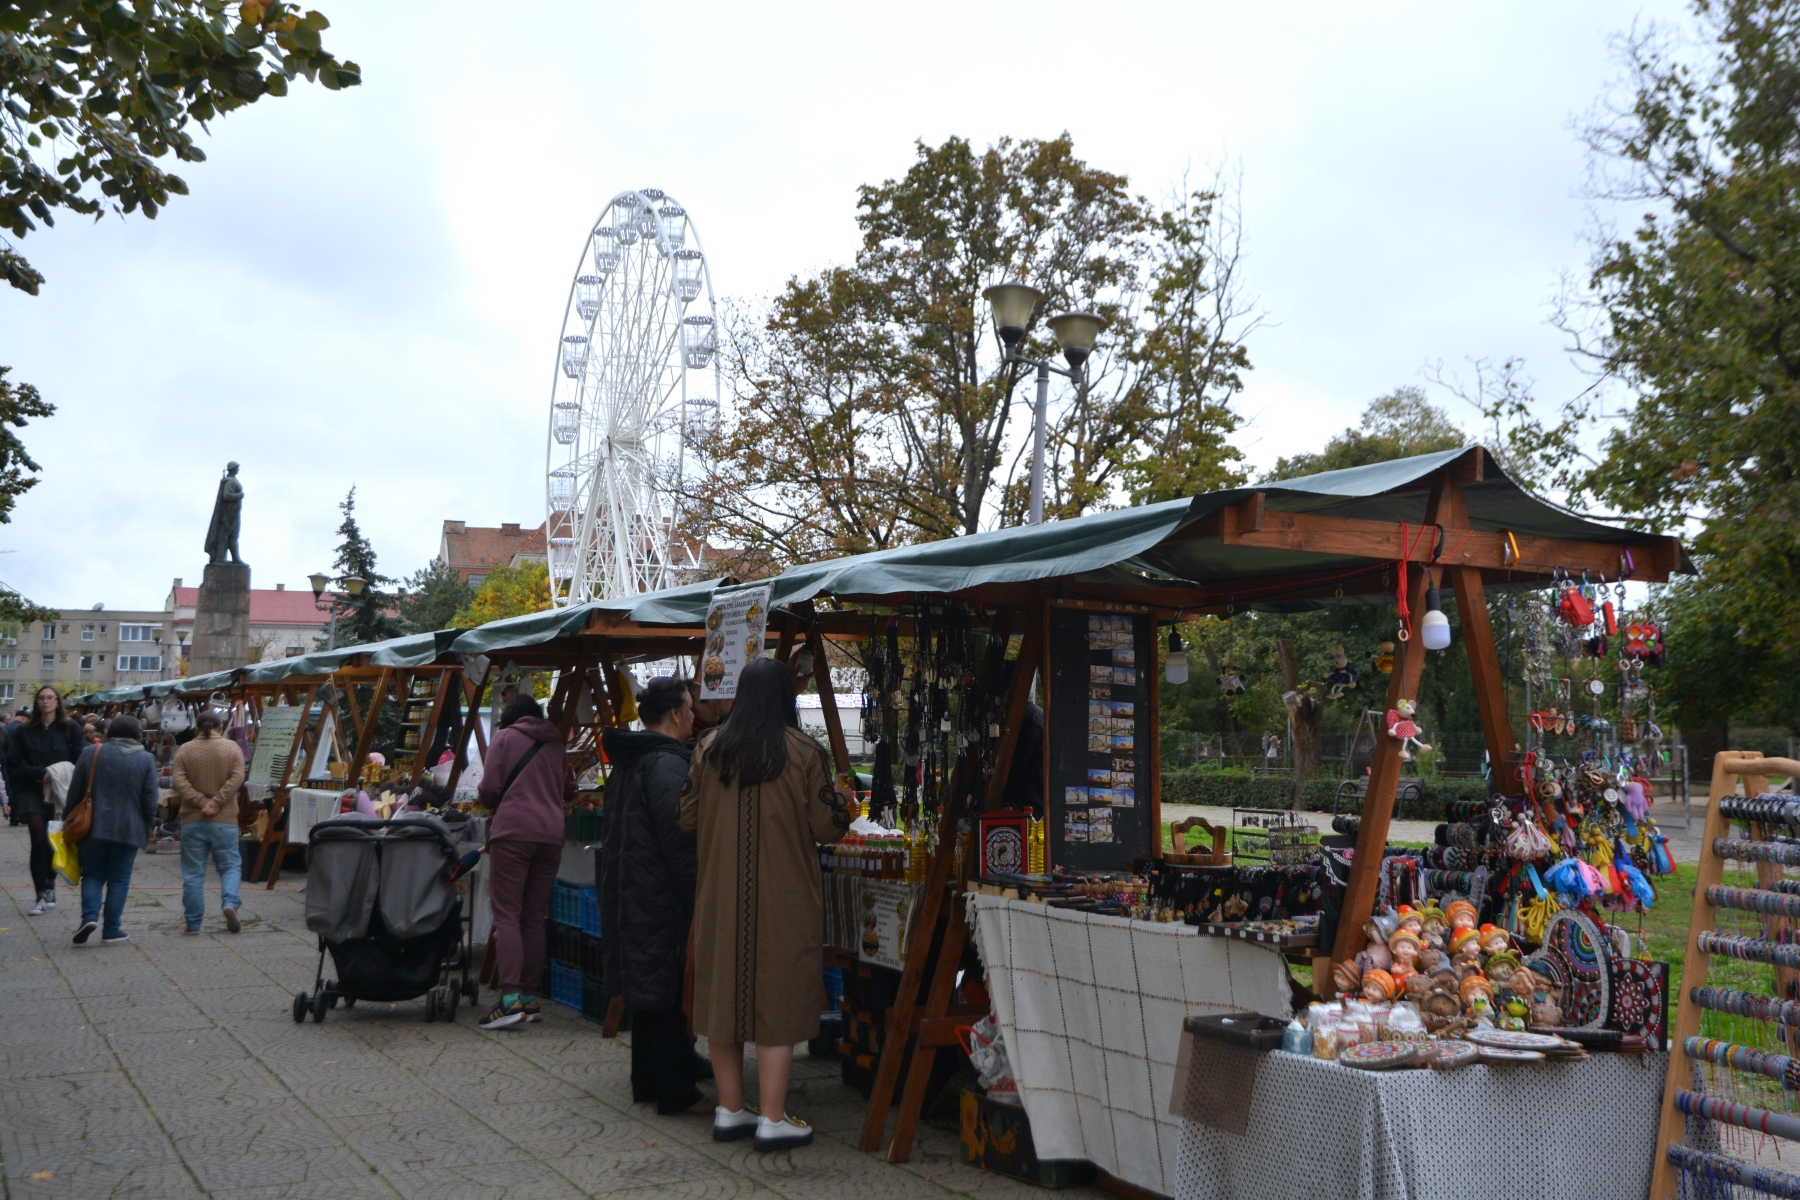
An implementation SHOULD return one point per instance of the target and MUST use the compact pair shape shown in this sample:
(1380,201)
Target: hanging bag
(78,820)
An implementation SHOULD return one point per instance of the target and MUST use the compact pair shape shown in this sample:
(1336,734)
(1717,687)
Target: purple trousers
(520,877)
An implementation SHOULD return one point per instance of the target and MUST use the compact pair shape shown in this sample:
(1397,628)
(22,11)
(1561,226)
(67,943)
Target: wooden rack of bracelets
(1777,902)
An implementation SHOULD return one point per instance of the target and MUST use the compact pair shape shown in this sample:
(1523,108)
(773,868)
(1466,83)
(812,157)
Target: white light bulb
(1434,631)
(1175,669)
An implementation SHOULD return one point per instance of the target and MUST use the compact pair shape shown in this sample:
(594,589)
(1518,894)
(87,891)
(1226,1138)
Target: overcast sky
(366,287)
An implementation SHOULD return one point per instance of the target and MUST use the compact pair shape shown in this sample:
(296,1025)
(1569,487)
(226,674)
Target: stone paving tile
(171,1067)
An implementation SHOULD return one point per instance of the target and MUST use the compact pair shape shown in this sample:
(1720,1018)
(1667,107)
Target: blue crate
(834,986)
(590,912)
(566,986)
(565,905)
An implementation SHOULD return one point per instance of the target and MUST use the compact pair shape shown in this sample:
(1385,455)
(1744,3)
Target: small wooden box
(997,1137)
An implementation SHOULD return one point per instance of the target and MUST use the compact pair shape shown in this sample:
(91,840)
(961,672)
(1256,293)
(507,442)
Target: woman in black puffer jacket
(48,738)
(647,867)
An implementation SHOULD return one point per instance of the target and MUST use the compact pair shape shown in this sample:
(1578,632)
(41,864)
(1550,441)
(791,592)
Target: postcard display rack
(1732,1099)
(1098,739)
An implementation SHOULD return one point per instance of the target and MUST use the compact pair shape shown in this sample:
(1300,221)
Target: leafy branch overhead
(93,92)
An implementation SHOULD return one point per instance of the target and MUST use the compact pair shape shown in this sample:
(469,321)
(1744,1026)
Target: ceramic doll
(1462,915)
(1418,987)
(1411,921)
(1346,976)
(1431,958)
(1465,949)
(1405,947)
(1378,987)
(1495,940)
(1478,998)
(1442,1005)
(1500,967)
(1436,930)
(1376,954)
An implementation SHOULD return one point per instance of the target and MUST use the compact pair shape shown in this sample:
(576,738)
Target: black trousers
(43,874)
(662,1059)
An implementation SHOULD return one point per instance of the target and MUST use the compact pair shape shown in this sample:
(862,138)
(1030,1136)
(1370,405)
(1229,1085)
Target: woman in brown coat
(760,797)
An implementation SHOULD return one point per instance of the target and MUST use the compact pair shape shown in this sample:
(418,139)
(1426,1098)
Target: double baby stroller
(380,895)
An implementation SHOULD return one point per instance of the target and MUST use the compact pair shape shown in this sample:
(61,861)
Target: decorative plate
(1513,1039)
(1447,1056)
(1493,1054)
(1378,1056)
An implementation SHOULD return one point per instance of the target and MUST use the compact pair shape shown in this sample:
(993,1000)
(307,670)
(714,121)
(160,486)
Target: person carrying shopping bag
(117,780)
(205,778)
(47,738)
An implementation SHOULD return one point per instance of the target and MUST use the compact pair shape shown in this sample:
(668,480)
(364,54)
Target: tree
(1696,313)
(368,617)
(1398,425)
(93,92)
(872,407)
(19,402)
(434,594)
(507,592)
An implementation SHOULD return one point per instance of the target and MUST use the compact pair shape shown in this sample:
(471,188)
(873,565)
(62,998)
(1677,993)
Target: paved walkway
(171,1067)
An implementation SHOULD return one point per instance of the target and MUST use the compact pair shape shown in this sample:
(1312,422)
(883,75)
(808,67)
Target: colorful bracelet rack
(1743,850)
(1783,1068)
(1770,808)
(1749,949)
(1740,1003)
(1711,1108)
(1735,1171)
(1756,900)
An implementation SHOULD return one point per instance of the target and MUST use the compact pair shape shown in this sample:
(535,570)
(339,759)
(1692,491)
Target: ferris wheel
(637,371)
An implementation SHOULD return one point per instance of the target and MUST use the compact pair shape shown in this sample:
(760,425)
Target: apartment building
(473,550)
(85,649)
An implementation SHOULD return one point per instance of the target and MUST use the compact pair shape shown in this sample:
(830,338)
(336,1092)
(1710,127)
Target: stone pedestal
(221,620)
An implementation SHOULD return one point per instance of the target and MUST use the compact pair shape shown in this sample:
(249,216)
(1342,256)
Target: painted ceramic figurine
(1436,931)
(1412,922)
(1500,967)
(1465,949)
(1478,998)
(1405,947)
(1378,987)
(1495,940)
(1462,915)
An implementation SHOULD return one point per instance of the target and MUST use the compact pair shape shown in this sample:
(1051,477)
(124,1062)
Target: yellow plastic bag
(64,859)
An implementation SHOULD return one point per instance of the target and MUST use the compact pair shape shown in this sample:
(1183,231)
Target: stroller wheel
(471,990)
(431,1005)
(318,1008)
(300,1006)
(450,999)
(349,1001)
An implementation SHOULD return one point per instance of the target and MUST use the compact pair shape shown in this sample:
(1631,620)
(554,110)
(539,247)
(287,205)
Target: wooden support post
(366,734)
(1384,772)
(834,720)
(471,726)
(448,677)
(1711,869)
(924,1056)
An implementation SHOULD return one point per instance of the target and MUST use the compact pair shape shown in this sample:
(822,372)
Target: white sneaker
(789,1133)
(50,898)
(37,910)
(730,1126)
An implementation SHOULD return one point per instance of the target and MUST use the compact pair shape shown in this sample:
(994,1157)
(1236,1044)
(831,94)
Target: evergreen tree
(370,616)
(434,595)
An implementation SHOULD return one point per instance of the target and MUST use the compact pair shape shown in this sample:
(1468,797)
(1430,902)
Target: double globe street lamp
(1013,304)
(353,587)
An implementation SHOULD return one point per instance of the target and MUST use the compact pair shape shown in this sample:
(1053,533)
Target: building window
(139,662)
(8,661)
(49,632)
(6,693)
(47,664)
(136,633)
(103,656)
(87,633)
(87,662)
(476,579)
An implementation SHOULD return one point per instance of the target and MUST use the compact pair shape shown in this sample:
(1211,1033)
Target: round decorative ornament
(1379,1056)
(1596,688)
(1499,1057)
(1512,1039)
(1612,795)
(1575,958)
(1447,1056)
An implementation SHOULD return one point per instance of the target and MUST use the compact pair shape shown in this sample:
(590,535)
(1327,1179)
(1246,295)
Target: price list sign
(1102,669)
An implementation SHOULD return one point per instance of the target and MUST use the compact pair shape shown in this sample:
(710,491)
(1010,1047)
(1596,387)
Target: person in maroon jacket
(525,782)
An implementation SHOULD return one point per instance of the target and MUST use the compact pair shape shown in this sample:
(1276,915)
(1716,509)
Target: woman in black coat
(48,738)
(647,867)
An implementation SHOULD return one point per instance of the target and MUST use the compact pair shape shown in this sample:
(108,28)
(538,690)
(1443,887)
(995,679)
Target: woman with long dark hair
(760,797)
(47,738)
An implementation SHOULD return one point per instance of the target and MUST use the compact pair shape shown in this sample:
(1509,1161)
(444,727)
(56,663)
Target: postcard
(1100,825)
(1125,676)
(1100,776)
(1124,656)
(1121,741)
(1099,743)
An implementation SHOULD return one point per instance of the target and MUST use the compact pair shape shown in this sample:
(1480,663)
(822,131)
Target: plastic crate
(590,912)
(593,998)
(592,961)
(587,825)
(565,986)
(566,946)
(565,904)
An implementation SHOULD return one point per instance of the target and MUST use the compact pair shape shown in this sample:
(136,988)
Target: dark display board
(1097,731)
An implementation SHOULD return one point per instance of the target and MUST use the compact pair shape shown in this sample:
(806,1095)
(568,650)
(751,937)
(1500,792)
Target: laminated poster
(274,744)
(735,623)
(887,909)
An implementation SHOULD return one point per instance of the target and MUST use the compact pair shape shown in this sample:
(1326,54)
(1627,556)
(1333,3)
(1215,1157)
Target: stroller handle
(353,827)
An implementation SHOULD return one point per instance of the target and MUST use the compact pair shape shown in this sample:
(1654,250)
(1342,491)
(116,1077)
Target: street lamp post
(353,586)
(1013,304)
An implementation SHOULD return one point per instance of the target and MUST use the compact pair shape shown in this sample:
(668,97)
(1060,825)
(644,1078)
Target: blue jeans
(105,865)
(198,840)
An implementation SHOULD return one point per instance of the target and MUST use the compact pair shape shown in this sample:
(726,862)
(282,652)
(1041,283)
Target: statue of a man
(222,534)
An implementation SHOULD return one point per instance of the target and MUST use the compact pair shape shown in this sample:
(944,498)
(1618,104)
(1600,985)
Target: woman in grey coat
(124,799)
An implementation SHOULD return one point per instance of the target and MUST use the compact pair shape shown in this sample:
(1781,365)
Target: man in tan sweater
(206,776)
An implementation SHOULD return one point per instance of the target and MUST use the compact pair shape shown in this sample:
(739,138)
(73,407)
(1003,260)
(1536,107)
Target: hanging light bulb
(1175,669)
(1434,631)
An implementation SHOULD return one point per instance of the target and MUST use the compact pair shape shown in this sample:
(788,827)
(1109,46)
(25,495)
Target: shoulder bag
(518,767)
(80,819)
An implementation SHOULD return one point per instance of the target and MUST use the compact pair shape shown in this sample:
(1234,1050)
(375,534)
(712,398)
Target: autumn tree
(507,592)
(1398,425)
(872,407)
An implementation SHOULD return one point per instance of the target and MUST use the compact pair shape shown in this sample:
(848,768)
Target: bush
(1239,787)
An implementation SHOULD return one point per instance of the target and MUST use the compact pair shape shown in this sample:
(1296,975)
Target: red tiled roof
(269,606)
(476,547)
